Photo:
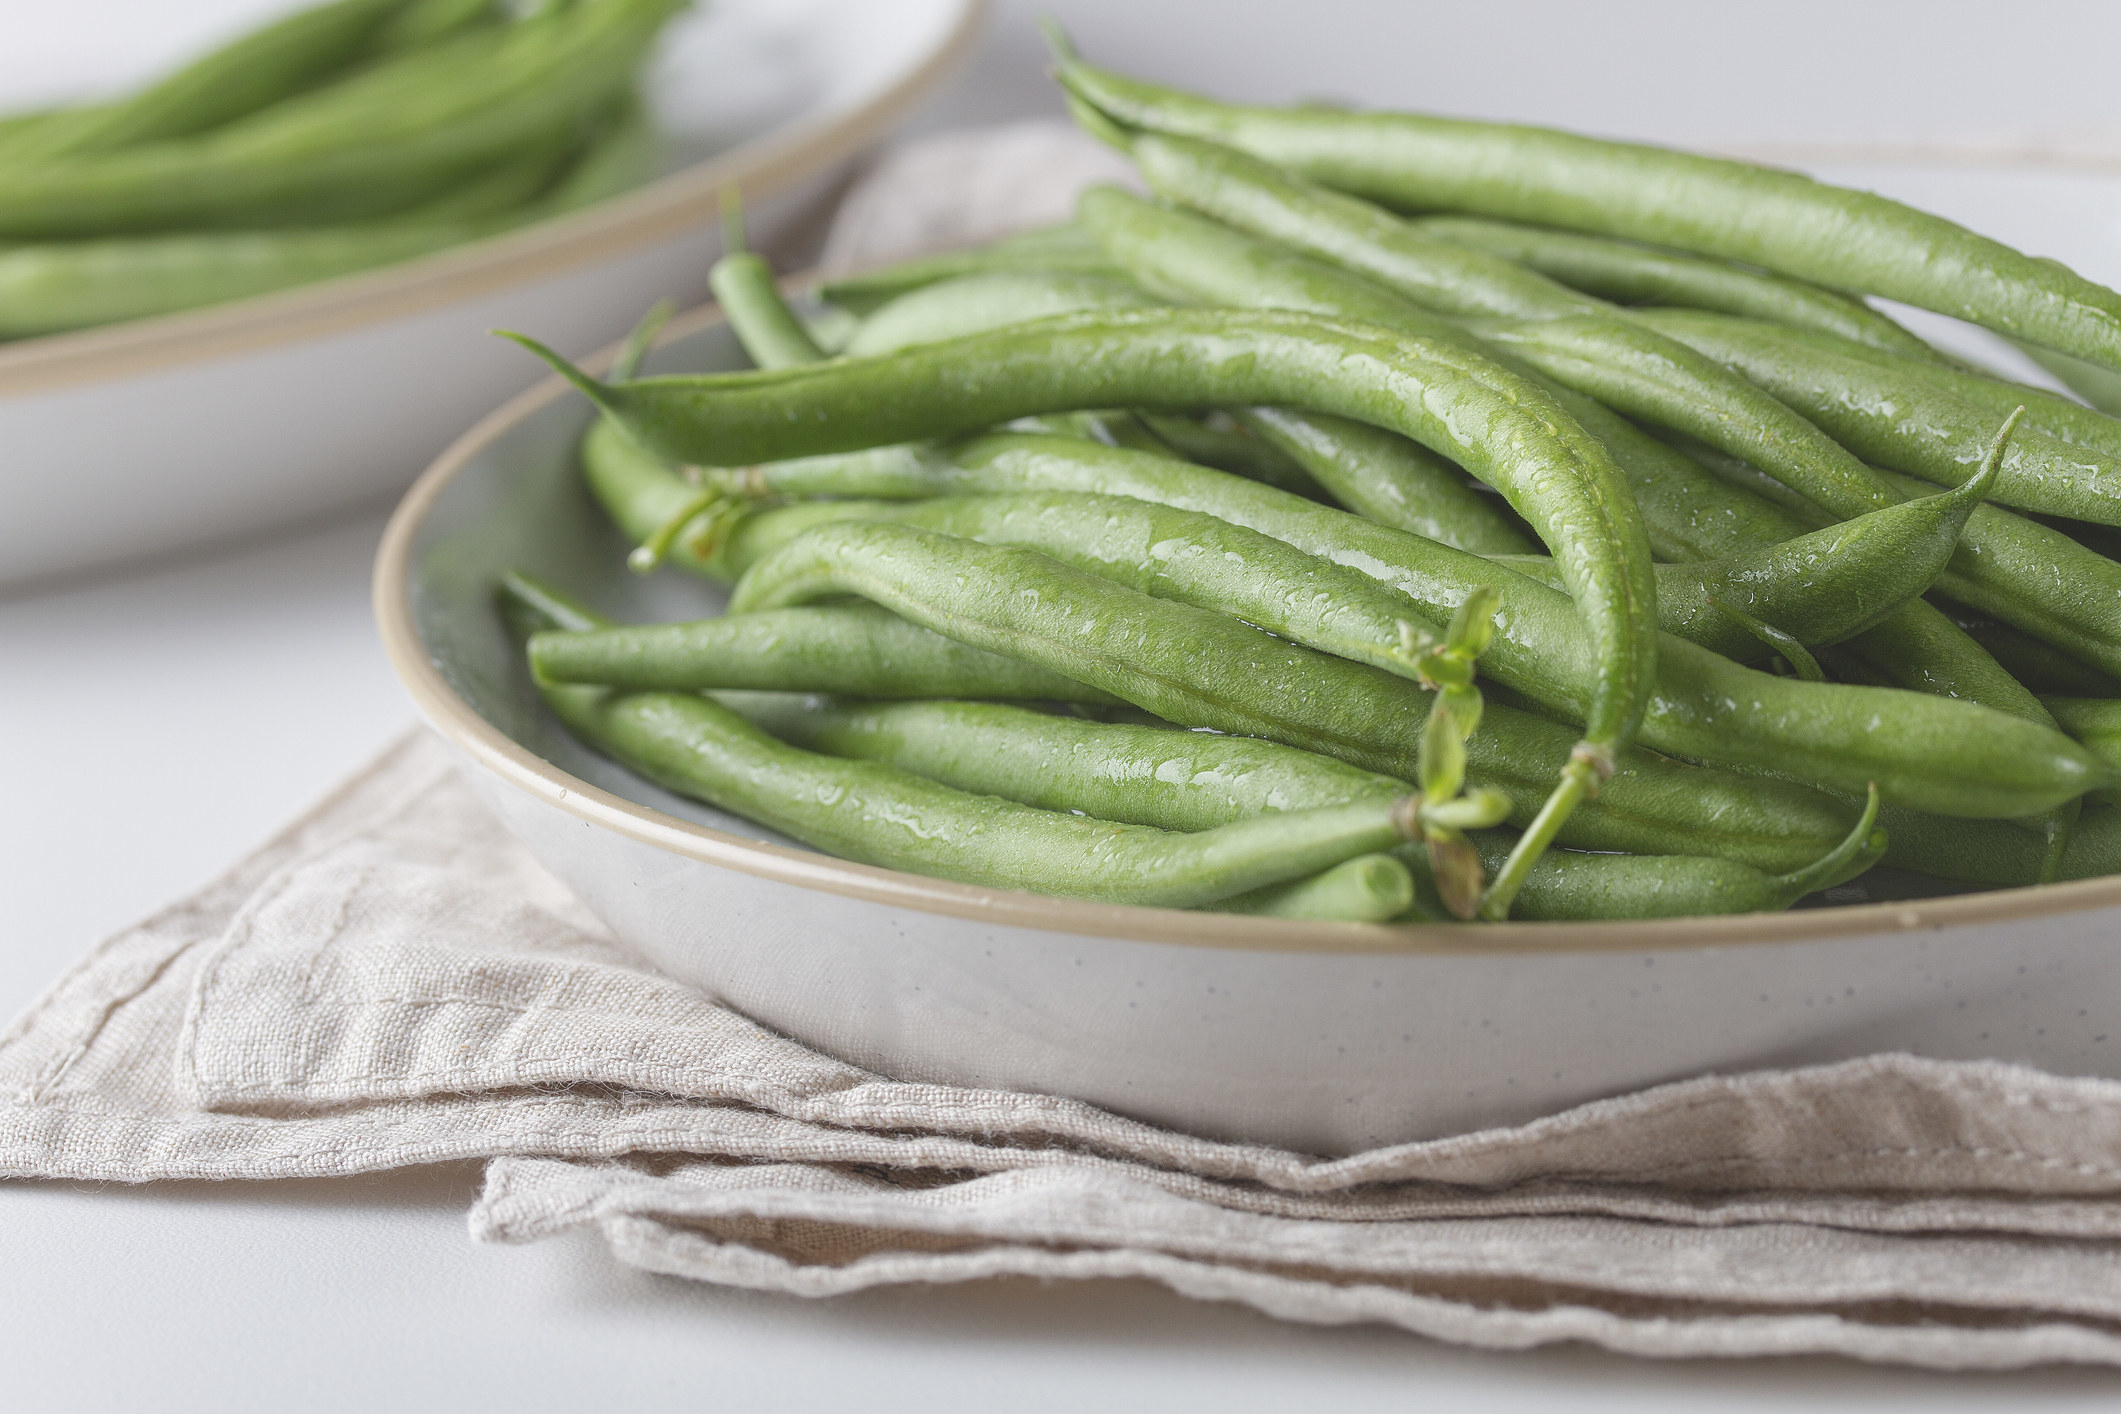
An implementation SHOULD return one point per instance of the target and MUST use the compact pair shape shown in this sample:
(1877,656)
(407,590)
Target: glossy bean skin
(1701,708)
(1626,272)
(1578,342)
(1195,666)
(877,814)
(1695,514)
(1820,588)
(1913,418)
(1193,781)
(1499,427)
(855,649)
(1368,469)
(1831,236)
(2039,666)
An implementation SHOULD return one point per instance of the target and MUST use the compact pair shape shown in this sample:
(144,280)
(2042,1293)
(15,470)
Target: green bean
(1365,468)
(1179,780)
(1918,419)
(47,287)
(878,814)
(762,322)
(2095,721)
(1501,428)
(257,70)
(972,304)
(1629,273)
(1680,886)
(380,141)
(1389,479)
(1371,888)
(1062,249)
(2042,668)
(1940,754)
(1232,445)
(856,649)
(1607,358)
(1998,853)
(1852,241)
(1820,588)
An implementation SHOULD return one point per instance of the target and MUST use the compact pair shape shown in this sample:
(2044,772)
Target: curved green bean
(1845,240)
(751,301)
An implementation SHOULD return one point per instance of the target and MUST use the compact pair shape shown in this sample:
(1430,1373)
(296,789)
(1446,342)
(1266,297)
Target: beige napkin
(393,981)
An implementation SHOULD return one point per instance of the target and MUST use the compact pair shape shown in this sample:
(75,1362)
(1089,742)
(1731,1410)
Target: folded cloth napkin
(394,981)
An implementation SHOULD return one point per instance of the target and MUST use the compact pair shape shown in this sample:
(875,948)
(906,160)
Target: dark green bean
(1844,240)
(1629,273)
(1999,853)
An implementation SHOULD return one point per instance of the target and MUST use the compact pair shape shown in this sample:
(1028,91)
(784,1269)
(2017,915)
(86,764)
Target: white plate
(146,437)
(1330,1038)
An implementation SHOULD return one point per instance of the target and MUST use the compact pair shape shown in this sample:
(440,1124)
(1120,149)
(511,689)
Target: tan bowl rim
(485,744)
(684,200)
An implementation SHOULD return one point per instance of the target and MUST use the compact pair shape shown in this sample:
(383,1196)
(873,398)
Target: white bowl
(149,436)
(1329,1038)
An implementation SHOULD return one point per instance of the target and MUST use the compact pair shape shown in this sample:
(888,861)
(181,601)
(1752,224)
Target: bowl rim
(521,769)
(684,200)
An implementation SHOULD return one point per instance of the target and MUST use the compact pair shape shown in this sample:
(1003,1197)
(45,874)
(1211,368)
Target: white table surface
(155,726)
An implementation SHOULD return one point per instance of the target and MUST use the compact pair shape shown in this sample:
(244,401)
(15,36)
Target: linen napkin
(394,981)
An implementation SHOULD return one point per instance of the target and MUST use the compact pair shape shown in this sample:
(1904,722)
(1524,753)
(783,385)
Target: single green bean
(1629,273)
(1999,853)
(856,649)
(762,322)
(1845,240)
(1371,888)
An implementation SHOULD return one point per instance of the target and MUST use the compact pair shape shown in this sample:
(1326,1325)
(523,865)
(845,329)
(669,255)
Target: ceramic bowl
(1328,1038)
(151,436)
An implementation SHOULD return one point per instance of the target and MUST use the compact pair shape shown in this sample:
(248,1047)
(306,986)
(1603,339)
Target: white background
(153,726)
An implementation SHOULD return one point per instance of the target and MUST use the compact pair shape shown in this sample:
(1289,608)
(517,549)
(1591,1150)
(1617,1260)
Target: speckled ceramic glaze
(1322,1037)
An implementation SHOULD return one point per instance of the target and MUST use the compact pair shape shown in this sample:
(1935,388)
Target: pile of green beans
(1511,542)
(350,135)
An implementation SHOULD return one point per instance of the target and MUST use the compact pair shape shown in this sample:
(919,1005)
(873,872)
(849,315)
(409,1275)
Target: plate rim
(523,770)
(684,200)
